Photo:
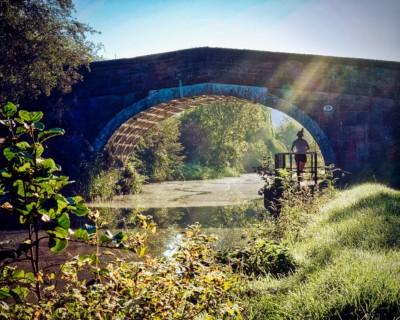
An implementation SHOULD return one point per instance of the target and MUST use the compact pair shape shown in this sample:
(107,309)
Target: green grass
(349,261)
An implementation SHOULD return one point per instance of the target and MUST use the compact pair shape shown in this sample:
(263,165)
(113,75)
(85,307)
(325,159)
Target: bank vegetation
(327,254)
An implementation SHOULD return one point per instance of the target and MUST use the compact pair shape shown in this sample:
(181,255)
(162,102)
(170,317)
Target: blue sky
(345,28)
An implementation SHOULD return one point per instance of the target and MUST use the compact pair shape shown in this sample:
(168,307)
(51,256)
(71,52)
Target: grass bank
(349,263)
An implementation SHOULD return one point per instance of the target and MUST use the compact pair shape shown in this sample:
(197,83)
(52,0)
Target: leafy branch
(30,187)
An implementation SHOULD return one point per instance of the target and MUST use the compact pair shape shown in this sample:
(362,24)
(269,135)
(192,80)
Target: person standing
(300,147)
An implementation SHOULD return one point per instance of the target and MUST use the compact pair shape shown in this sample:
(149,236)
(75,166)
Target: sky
(368,29)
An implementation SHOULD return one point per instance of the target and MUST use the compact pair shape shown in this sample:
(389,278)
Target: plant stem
(98,278)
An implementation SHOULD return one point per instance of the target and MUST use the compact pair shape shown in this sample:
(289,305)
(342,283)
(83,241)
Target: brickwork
(361,129)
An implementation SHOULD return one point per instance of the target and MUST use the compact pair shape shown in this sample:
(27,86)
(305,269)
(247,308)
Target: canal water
(223,207)
(193,193)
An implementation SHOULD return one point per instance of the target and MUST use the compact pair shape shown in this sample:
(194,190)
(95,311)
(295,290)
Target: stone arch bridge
(350,106)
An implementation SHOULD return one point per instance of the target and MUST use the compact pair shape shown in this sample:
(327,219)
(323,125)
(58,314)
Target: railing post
(281,160)
(315,169)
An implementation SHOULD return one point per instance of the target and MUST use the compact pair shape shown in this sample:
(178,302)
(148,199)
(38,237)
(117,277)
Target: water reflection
(229,223)
(235,216)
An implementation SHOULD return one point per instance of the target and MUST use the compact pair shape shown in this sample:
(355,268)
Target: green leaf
(39,149)
(74,200)
(42,136)
(30,117)
(10,153)
(21,130)
(57,245)
(30,276)
(19,293)
(48,207)
(6,174)
(58,232)
(39,126)
(49,288)
(105,238)
(24,146)
(48,164)
(24,167)
(18,274)
(61,201)
(22,122)
(142,251)
(8,110)
(64,221)
(5,293)
(82,234)
(79,210)
(19,184)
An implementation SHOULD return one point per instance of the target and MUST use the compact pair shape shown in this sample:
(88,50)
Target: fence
(286,161)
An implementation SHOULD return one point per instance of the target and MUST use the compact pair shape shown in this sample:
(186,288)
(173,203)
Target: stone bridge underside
(127,136)
(123,132)
(350,106)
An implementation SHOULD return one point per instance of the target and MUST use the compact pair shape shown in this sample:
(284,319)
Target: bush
(188,285)
(102,186)
(260,257)
(93,286)
(130,181)
(196,171)
(31,189)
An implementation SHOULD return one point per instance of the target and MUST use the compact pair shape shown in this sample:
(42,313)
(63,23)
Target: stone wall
(361,129)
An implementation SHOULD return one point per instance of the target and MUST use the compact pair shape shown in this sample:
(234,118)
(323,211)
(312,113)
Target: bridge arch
(123,131)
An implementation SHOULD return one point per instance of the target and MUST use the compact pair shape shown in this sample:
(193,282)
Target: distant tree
(262,143)
(287,132)
(42,47)
(160,152)
(194,137)
(227,135)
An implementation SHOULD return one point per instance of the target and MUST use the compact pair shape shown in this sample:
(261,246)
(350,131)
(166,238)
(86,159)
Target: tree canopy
(159,151)
(42,47)
(222,135)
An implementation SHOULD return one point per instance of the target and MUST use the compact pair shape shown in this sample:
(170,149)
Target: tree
(262,143)
(287,131)
(160,151)
(222,135)
(42,48)
(225,127)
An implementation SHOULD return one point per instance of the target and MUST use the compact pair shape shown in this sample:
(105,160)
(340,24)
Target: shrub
(188,285)
(195,171)
(30,188)
(131,181)
(259,257)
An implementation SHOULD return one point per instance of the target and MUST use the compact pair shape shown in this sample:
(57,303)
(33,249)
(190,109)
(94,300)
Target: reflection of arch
(123,131)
